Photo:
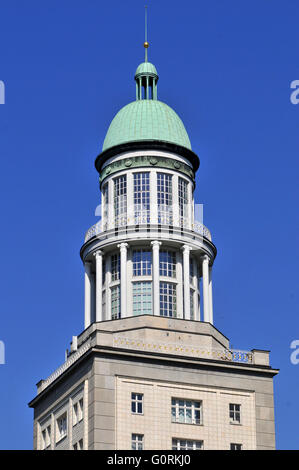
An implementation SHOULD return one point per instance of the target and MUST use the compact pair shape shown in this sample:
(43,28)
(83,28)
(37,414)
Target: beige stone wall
(158,430)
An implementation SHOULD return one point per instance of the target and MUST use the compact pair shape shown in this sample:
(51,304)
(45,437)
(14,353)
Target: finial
(146,44)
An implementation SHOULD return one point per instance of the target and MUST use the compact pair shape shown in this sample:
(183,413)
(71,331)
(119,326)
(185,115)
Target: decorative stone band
(97,229)
(71,360)
(227,355)
(146,161)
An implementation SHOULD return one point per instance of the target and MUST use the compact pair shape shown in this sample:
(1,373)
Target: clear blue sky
(226,68)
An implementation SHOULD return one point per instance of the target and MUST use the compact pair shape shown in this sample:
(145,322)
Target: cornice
(147,145)
(146,161)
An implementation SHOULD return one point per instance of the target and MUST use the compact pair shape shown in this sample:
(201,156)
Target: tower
(150,370)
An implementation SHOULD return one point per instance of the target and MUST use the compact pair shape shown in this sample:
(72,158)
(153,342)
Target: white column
(153,198)
(108,288)
(87,309)
(156,278)
(180,285)
(123,279)
(175,200)
(99,285)
(205,283)
(186,270)
(194,282)
(210,296)
(129,282)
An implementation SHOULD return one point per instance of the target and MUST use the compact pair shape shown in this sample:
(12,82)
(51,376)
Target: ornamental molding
(149,161)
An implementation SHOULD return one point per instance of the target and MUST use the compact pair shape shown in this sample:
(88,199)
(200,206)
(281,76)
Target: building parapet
(138,340)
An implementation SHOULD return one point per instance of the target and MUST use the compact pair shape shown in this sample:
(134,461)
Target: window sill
(187,424)
(61,439)
(235,424)
(78,422)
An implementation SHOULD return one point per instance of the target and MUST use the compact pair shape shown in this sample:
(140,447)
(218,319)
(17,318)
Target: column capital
(156,244)
(186,248)
(205,258)
(123,246)
(98,254)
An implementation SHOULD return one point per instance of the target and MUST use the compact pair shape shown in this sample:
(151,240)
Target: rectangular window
(115,267)
(78,445)
(120,201)
(142,298)
(142,198)
(186,411)
(115,302)
(184,444)
(235,446)
(167,299)
(137,403)
(61,427)
(142,262)
(164,198)
(183,202)
(75,414)
(137,441)
(77,411)
(167,263)
(235,413)
(46,437)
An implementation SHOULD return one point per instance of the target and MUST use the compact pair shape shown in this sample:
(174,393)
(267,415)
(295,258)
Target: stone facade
(130,356)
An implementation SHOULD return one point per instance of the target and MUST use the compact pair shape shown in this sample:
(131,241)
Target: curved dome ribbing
(146,120)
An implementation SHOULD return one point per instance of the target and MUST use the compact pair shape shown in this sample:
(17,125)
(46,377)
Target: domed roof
(146,68)
(146,120)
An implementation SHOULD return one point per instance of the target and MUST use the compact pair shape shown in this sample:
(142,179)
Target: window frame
(46,437)
(234,413)
(115,267)
(137,441)
(183,199)
(120,193)
(59,435)
(142,265)
(141,197)
(236,444)
(167,263)
(177,407)
(165,198)
(136,401)
(78,411)
(117,305)
(168,291)
(139,298)
(180,440)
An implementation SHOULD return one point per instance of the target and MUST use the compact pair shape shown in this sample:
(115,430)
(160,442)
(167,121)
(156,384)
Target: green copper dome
(146,120)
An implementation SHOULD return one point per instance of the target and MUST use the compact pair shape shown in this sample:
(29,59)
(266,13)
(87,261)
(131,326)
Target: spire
(146,44)
(146,75)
